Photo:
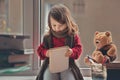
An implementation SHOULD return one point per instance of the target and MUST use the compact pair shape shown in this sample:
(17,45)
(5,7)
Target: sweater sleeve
(77,49)
(41,51)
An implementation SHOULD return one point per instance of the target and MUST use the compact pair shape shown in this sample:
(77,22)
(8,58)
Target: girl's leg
(67,75)
(50,76)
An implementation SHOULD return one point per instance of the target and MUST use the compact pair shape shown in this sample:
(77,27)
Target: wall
(97,15)
(100,15)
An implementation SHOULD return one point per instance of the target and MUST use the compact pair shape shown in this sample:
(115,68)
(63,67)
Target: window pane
(11,16)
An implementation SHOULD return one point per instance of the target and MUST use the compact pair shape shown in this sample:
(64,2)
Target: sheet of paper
(57,60)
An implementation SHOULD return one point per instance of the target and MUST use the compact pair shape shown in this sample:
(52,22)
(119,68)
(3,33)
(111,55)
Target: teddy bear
(105,51)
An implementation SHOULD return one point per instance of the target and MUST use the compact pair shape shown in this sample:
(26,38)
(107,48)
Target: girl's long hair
(62,14)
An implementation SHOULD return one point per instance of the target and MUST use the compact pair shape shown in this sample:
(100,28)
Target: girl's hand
(47,53)
(68,53)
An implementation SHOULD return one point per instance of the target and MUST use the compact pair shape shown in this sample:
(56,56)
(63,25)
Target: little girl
(62,32)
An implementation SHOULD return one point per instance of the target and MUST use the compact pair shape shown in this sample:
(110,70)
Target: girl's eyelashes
(54,25)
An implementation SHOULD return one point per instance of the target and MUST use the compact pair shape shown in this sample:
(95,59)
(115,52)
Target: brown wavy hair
(62,15)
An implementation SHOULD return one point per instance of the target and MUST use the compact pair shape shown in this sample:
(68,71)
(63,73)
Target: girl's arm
(41,51)
(77,49)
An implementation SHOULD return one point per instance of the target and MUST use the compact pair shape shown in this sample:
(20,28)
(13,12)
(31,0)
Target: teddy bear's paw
(87,62)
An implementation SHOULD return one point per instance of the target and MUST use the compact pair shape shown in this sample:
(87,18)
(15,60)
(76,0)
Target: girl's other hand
(47,53)
(68,53)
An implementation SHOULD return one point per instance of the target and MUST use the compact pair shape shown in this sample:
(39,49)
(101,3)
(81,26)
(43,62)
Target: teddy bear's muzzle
(97,41)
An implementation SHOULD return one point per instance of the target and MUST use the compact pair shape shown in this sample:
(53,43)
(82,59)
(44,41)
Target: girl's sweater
(58,42)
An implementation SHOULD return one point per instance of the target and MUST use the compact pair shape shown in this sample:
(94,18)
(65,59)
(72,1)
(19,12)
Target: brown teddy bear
(105,51)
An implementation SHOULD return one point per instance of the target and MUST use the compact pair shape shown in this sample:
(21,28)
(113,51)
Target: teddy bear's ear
(107,33)
(96,32)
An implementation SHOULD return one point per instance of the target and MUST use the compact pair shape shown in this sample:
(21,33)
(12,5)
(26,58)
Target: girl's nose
(57,29)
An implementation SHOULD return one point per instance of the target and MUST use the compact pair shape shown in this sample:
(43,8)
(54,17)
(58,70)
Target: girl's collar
(60,34)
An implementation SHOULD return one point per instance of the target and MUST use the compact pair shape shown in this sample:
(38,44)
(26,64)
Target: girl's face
(56,26)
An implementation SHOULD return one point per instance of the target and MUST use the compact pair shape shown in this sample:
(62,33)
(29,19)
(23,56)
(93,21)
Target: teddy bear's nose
(97,42)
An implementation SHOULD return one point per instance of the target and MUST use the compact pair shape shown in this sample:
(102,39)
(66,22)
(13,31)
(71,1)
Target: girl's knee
(67,75)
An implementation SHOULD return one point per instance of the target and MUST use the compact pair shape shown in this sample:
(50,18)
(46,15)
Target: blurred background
(91,16)
(25,21)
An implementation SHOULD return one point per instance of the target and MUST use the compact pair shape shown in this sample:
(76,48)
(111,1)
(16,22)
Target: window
(11,16)
(22,17)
